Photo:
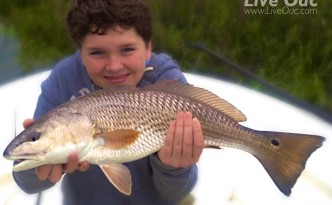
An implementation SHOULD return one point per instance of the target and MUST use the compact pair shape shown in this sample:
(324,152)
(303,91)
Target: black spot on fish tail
(285,158)
(275,142)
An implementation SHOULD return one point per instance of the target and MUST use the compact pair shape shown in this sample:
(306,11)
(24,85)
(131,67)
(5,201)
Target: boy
(114,41)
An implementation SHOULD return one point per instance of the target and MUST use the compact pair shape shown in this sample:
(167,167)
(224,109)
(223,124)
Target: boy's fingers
(198,139)
(72,163)
(27,122)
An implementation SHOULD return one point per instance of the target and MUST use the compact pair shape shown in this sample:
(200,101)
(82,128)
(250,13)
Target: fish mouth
(21,158)
(25,162)
(18,161)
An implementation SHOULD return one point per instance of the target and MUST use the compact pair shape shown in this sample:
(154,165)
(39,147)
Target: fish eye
(35,136)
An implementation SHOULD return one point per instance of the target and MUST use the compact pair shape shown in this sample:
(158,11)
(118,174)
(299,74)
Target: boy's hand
(184,142)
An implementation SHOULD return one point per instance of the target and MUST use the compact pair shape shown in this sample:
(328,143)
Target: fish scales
(153,112)
(123,124)
(112,112)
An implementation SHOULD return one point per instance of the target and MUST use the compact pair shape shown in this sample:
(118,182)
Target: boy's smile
(119,79)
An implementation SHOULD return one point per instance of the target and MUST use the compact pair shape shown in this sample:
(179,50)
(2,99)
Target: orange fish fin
(118,139)
(198,94)
(287,157)
(119,175)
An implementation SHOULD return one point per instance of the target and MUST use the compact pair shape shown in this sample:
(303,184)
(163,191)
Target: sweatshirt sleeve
(172,183)
(27,180)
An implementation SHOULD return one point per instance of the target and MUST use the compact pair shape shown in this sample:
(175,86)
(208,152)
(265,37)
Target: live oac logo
(273,3)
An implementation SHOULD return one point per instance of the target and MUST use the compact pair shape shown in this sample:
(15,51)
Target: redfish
(122,124)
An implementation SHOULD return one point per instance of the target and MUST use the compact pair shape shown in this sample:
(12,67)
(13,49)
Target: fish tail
(287,157)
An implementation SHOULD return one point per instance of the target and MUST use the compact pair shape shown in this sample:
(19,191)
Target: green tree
(39,26)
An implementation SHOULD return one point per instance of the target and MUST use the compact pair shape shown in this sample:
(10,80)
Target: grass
(291,51)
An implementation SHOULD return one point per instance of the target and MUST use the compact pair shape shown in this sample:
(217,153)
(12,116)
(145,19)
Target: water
(10,68)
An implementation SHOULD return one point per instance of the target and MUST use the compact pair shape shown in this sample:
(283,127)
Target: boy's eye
(96,53)
(127,50)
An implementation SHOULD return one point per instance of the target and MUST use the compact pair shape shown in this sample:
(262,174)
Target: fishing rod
(267,85)
(39,198)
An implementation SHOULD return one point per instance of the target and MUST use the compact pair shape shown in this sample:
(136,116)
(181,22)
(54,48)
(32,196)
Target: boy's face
(116,58)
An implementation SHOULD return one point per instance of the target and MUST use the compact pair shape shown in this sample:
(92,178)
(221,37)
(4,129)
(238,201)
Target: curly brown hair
(96,16)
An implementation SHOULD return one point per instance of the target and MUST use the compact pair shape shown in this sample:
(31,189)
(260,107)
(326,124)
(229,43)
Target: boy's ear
(148,50)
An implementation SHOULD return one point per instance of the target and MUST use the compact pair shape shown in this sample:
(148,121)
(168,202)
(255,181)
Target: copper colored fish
(117,125)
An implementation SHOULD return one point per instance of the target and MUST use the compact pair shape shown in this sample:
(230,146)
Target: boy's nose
(114,64)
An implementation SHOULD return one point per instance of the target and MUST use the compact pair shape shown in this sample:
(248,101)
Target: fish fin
(198,94)
(288,156)
(118,89)
(111,91)
(119,175)
(212,147)
(118,139)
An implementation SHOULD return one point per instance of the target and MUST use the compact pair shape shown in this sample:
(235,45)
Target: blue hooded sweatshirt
(152,182)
